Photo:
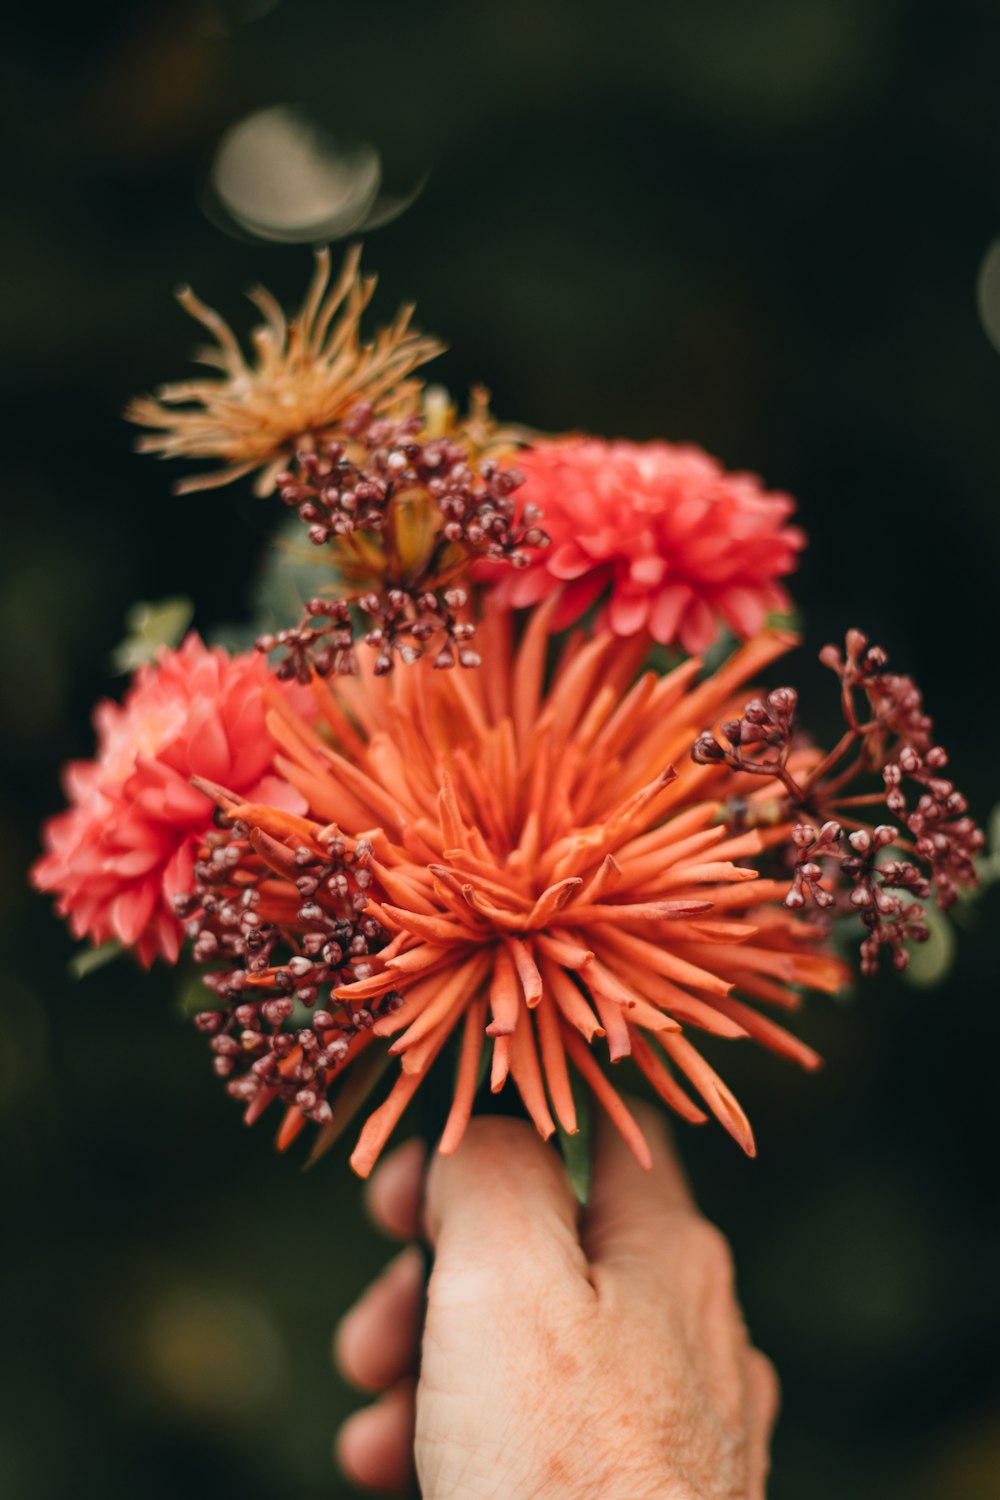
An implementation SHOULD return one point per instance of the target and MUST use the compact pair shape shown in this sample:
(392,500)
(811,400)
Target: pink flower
(679,542)
(126,844)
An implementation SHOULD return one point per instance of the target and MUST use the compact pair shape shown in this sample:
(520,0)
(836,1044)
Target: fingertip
(661,1170)
(503,1192)
(374,1447)
(652,1122)
(393,1193)
(376,1341)
(634,1203)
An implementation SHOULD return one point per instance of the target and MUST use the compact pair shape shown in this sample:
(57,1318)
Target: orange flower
(308,375)
(551,871)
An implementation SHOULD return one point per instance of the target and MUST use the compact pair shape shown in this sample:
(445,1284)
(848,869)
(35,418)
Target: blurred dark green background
(759,227)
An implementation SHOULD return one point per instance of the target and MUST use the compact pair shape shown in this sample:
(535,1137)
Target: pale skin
(562,1354)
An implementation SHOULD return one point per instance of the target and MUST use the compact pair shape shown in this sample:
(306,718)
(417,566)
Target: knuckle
(767,1382)
(497,1132)
(707,1247)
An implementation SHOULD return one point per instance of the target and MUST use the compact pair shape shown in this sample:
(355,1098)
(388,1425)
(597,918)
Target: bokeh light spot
(282,178)
(209,1353)
(988,293)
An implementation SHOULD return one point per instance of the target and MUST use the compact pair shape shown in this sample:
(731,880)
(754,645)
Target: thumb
(502,1204)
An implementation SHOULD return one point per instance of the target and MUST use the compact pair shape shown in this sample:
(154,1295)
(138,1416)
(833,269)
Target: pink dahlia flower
(675,541)
(126,844)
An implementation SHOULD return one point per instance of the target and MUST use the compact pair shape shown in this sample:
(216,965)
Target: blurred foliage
(151,626)
(576,1148)
(931,962)
(759,228)
(89,960)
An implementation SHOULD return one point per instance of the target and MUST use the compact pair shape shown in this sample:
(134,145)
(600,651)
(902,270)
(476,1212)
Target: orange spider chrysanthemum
(305,378)
(547,869)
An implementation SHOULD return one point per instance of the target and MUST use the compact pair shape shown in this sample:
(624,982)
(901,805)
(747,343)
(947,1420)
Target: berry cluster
(402,624)
(350,486)
(405,517)
(894,701)
(759,742)
(890,734)
(275,945)
(898,740)
(944,836)
(871,888)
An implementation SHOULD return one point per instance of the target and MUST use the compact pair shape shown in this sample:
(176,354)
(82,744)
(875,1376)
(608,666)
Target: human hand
(562,1354)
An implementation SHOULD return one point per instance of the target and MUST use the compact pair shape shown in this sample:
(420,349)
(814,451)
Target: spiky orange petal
(550,869)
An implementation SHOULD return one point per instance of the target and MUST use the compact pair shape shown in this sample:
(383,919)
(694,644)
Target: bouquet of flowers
(506,801)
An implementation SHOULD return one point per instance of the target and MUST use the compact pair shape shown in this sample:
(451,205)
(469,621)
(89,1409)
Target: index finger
(394,1191)
(631,1209)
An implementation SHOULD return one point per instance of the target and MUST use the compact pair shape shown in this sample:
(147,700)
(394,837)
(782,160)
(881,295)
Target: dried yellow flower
(303,378)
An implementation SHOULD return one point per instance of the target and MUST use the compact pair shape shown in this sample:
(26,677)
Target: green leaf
(787,619)
(192,995)
(720,650)
(149,627)
(966,909)
(89,960)
(292,571)
(930,961)
(663,659)
(576,1148)
(359,1081)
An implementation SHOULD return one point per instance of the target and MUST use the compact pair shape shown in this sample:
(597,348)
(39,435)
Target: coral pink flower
(678,541)
(126,845)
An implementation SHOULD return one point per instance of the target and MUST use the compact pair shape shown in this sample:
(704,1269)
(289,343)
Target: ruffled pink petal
(178,873)
(568,561)
(668,608)
(163,795)
(656,515)
(698,629)
(136,862)
(207,745)
(647,572)
(577,597)
(130,910)
(745,612)
(148,947)
(627,614)
(528,587)
(126,845)
(252,749)
(165,938)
